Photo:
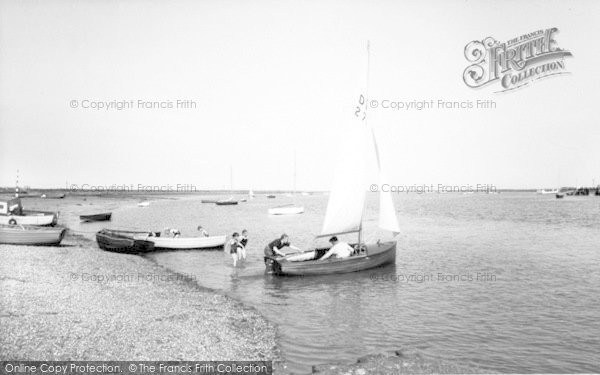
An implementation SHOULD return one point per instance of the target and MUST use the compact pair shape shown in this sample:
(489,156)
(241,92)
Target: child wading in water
(243,242)
(234,244)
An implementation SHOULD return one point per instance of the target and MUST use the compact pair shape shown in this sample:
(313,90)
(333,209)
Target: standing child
(233,247)
(243,243)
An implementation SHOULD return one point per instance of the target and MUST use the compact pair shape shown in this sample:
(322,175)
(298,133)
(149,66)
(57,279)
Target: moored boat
(144,204)
(125,242)
(226,202)
(559,196)
(288,209)
(271,196)
(31,235)
(12,212)
(209,200)
(185,243)
(96,217)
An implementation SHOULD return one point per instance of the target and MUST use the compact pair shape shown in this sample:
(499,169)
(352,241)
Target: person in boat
(173,232)
(338,248)
(274,247)
(234,245)
(243,243)
(202,231)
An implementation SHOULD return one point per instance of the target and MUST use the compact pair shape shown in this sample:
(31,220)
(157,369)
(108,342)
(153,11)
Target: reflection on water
(506,283)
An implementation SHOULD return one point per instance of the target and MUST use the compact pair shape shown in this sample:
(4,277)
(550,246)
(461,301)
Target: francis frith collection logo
(515,63)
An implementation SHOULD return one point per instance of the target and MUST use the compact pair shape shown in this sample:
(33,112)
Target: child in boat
(234,245)
(202,231)
(243,243)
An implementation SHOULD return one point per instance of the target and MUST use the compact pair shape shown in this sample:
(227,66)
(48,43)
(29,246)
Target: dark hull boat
(270,196)
(31,235)
(226,203)
(123,242)
(375,255)
(560,196)
(96,217)
(209,201)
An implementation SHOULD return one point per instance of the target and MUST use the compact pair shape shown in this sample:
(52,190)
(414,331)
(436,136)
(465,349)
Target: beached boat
(345,211)
(12,212)
(226,202)
(30,235)
(271,196)
(288,209)
(96,217)
(53,196)
(185,243)
(125,242)
(559,196)
(144,204)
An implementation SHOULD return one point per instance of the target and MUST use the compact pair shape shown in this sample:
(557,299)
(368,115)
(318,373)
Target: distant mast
(17,185)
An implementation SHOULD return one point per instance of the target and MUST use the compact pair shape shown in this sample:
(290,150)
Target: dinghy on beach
(345,210)
(185,243)
(96,217)
(31,235)
(125,242)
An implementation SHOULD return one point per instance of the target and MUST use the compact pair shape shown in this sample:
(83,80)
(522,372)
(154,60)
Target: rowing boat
(288,209)
(185,243)
(226,202)
(95,217)
(124,242)
(31,235)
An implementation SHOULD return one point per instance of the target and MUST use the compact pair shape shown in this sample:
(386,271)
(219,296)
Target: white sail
(347,195)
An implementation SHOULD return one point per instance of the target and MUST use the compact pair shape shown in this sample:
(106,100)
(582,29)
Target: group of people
(174,232)
(237,246)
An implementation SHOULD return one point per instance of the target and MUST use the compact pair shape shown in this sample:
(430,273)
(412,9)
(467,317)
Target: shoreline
(77,302)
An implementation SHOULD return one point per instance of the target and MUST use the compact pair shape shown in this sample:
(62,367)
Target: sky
(278,81)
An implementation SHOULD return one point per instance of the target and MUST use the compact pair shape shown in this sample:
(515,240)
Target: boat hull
(31,235)
(39,218)
(226,203)
(288,210)
(189,243)
(96,217)
(377,255)
(122,242)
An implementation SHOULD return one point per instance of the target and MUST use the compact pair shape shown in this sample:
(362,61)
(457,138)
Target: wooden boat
(288,209)
(125,242)
(559,196)
(271,196)
(31,235)
(12,212)
(185,243)
(374,255)
(144,204)
(345,211)
(55,196)
(96,217)
(226,202)
(209,200)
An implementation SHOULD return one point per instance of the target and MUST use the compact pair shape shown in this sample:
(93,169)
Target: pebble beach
(77,302)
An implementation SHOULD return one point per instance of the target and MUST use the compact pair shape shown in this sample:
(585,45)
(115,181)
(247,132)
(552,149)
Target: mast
(366,124)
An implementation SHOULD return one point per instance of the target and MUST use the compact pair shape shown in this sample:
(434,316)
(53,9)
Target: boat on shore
(288,209)
(125,242)
(271,196)
(184,243)
(547,191)
(144,204)
(95,217)
(559,196)
(226,202)
(12,213)
(31,235)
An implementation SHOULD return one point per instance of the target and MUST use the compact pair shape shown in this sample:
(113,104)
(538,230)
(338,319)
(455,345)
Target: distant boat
(185,243)
(305,193)
(55,196)
(271,196)
(30,235)
(547,191)
(209,200)
(144,204)
(345,211)
(288,209)
(12,212)
(250,194)
(226,202)
(559,196)
(124,242)
(96,217)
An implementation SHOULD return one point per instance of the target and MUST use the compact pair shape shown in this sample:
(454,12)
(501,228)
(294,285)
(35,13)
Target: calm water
(535,308)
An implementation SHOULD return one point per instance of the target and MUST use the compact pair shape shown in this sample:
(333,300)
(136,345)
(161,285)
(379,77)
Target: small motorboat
(96,217)
(184,243)
(125,242)
(559,196)
(31,235)
(288,209)
(12,213)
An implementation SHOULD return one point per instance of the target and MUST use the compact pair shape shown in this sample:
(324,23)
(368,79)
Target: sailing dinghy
(288,209)
(345,211)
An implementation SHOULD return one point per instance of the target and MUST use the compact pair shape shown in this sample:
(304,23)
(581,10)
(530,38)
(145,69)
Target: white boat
(144,204)
(12,213)
(345,210)
(288,209)
(547,191)
(185,243)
